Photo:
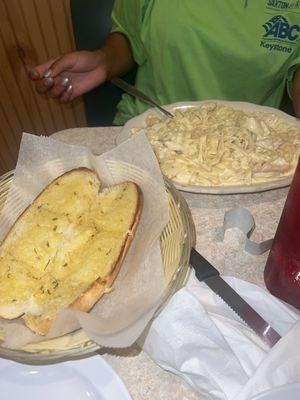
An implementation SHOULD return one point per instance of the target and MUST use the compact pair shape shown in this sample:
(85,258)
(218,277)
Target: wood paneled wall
(31,32)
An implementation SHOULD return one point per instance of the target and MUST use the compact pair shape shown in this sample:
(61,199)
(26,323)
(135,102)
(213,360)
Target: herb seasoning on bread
(66,248)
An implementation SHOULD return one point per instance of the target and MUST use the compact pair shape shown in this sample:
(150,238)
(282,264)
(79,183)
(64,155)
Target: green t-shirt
(242,50)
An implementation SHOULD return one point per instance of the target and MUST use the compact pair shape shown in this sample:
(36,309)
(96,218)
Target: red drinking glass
(282,271)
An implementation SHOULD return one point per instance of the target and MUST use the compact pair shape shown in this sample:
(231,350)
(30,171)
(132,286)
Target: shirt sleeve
(292,70)
(127,18)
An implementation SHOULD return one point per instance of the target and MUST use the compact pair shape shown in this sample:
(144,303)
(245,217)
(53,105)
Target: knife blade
(208,274)
(137,93)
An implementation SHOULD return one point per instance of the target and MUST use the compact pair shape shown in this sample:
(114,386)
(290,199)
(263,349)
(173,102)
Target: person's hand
(70,75)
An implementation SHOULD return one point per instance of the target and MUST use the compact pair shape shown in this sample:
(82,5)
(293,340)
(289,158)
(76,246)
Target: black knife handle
(202,267)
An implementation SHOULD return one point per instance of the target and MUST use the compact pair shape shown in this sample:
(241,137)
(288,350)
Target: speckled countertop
(144,379)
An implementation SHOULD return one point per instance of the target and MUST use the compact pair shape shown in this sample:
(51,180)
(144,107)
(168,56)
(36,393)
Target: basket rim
(89,347)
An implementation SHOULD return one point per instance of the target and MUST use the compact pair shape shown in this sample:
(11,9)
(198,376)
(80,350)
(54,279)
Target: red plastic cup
(282,271)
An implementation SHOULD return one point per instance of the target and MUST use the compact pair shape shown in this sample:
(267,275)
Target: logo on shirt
(278,27)
(279,34)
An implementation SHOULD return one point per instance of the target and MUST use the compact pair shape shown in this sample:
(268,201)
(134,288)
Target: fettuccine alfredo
(216,145)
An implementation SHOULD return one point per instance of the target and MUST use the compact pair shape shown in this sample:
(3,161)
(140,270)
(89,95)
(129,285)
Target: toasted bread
(66,248)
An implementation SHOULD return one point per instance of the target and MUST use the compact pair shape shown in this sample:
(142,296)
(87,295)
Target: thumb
(39,71)
(53,67)
(60,65)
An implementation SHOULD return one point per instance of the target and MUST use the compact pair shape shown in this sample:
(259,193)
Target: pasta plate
(239,130)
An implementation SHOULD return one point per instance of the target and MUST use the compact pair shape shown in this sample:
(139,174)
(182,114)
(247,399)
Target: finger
(39,71)
(33,75)
(43,85)
(67,95)
(60,65)
(60,85)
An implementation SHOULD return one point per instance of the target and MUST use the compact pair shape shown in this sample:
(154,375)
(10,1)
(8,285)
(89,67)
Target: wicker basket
(176,241)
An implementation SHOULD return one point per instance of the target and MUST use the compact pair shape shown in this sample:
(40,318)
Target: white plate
(90,378)
(287,392)
(139,121)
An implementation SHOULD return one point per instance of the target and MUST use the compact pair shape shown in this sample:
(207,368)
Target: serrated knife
(208,274)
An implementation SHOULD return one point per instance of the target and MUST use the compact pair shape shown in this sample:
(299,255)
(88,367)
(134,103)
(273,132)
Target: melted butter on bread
(70,237)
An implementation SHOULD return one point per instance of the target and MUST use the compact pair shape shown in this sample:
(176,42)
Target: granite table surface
(142,377)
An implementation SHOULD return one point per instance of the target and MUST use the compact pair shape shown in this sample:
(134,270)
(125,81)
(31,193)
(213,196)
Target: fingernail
(47,73)
(70,88)
(34,74)
(65,82)
(48,82)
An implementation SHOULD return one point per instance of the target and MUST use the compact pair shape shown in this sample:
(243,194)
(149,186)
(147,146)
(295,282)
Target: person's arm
(296,93)
(74,74)
(118,54)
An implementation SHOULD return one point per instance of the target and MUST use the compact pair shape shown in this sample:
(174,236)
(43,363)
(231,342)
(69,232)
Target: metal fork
(137,93)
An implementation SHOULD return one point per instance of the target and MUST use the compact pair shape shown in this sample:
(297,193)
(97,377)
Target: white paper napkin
(116,320)
(198,337)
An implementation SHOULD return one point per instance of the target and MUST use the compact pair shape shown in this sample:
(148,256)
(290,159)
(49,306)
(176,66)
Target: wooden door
(31,32)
